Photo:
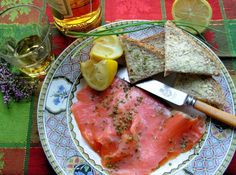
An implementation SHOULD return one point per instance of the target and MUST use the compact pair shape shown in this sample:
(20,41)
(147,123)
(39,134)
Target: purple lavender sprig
(12,86)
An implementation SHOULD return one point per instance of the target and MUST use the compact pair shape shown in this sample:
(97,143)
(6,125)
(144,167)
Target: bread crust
(154,57)
(203,60)
(202,87)
(156,40)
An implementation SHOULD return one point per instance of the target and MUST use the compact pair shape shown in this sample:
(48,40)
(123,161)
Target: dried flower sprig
(13,86)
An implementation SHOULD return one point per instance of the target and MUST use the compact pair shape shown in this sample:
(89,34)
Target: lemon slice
(106,47)
(99,75)
(193,13)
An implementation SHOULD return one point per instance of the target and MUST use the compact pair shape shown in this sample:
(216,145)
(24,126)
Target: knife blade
(180,98)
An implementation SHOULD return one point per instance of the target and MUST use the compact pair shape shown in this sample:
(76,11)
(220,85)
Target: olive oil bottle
(76,15)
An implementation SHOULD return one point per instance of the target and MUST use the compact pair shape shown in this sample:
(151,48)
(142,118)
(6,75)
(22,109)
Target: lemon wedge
(193,13)
(106,47)
(99,75)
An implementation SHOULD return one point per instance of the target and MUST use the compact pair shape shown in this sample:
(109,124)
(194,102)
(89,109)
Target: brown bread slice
(156,40)
(204,88)
(185,55)
(142,60)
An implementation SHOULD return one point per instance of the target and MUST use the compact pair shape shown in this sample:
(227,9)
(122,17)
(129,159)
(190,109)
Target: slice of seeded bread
(157,40)
(204,88)
(142,60)
(185,55)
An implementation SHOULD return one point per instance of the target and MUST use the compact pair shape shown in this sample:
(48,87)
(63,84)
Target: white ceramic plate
(68,152)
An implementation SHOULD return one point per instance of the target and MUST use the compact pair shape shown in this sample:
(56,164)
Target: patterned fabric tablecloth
(20,148)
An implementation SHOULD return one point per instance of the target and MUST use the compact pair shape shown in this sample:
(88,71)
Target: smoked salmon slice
(133,132)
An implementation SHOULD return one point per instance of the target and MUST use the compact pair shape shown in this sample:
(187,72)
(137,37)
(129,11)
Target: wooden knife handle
(215,113)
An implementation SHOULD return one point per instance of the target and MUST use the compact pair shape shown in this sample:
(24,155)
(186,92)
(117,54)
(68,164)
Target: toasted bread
(202,87)
(185,55)
(157,40)
(142,60)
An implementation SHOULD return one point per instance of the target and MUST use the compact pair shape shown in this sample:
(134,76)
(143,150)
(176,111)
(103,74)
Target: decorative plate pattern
(68,153)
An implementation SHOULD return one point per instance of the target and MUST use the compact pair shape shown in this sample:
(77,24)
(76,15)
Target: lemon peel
(195,13)
(99,75)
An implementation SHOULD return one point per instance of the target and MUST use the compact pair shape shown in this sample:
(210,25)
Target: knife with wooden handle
(180,98)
